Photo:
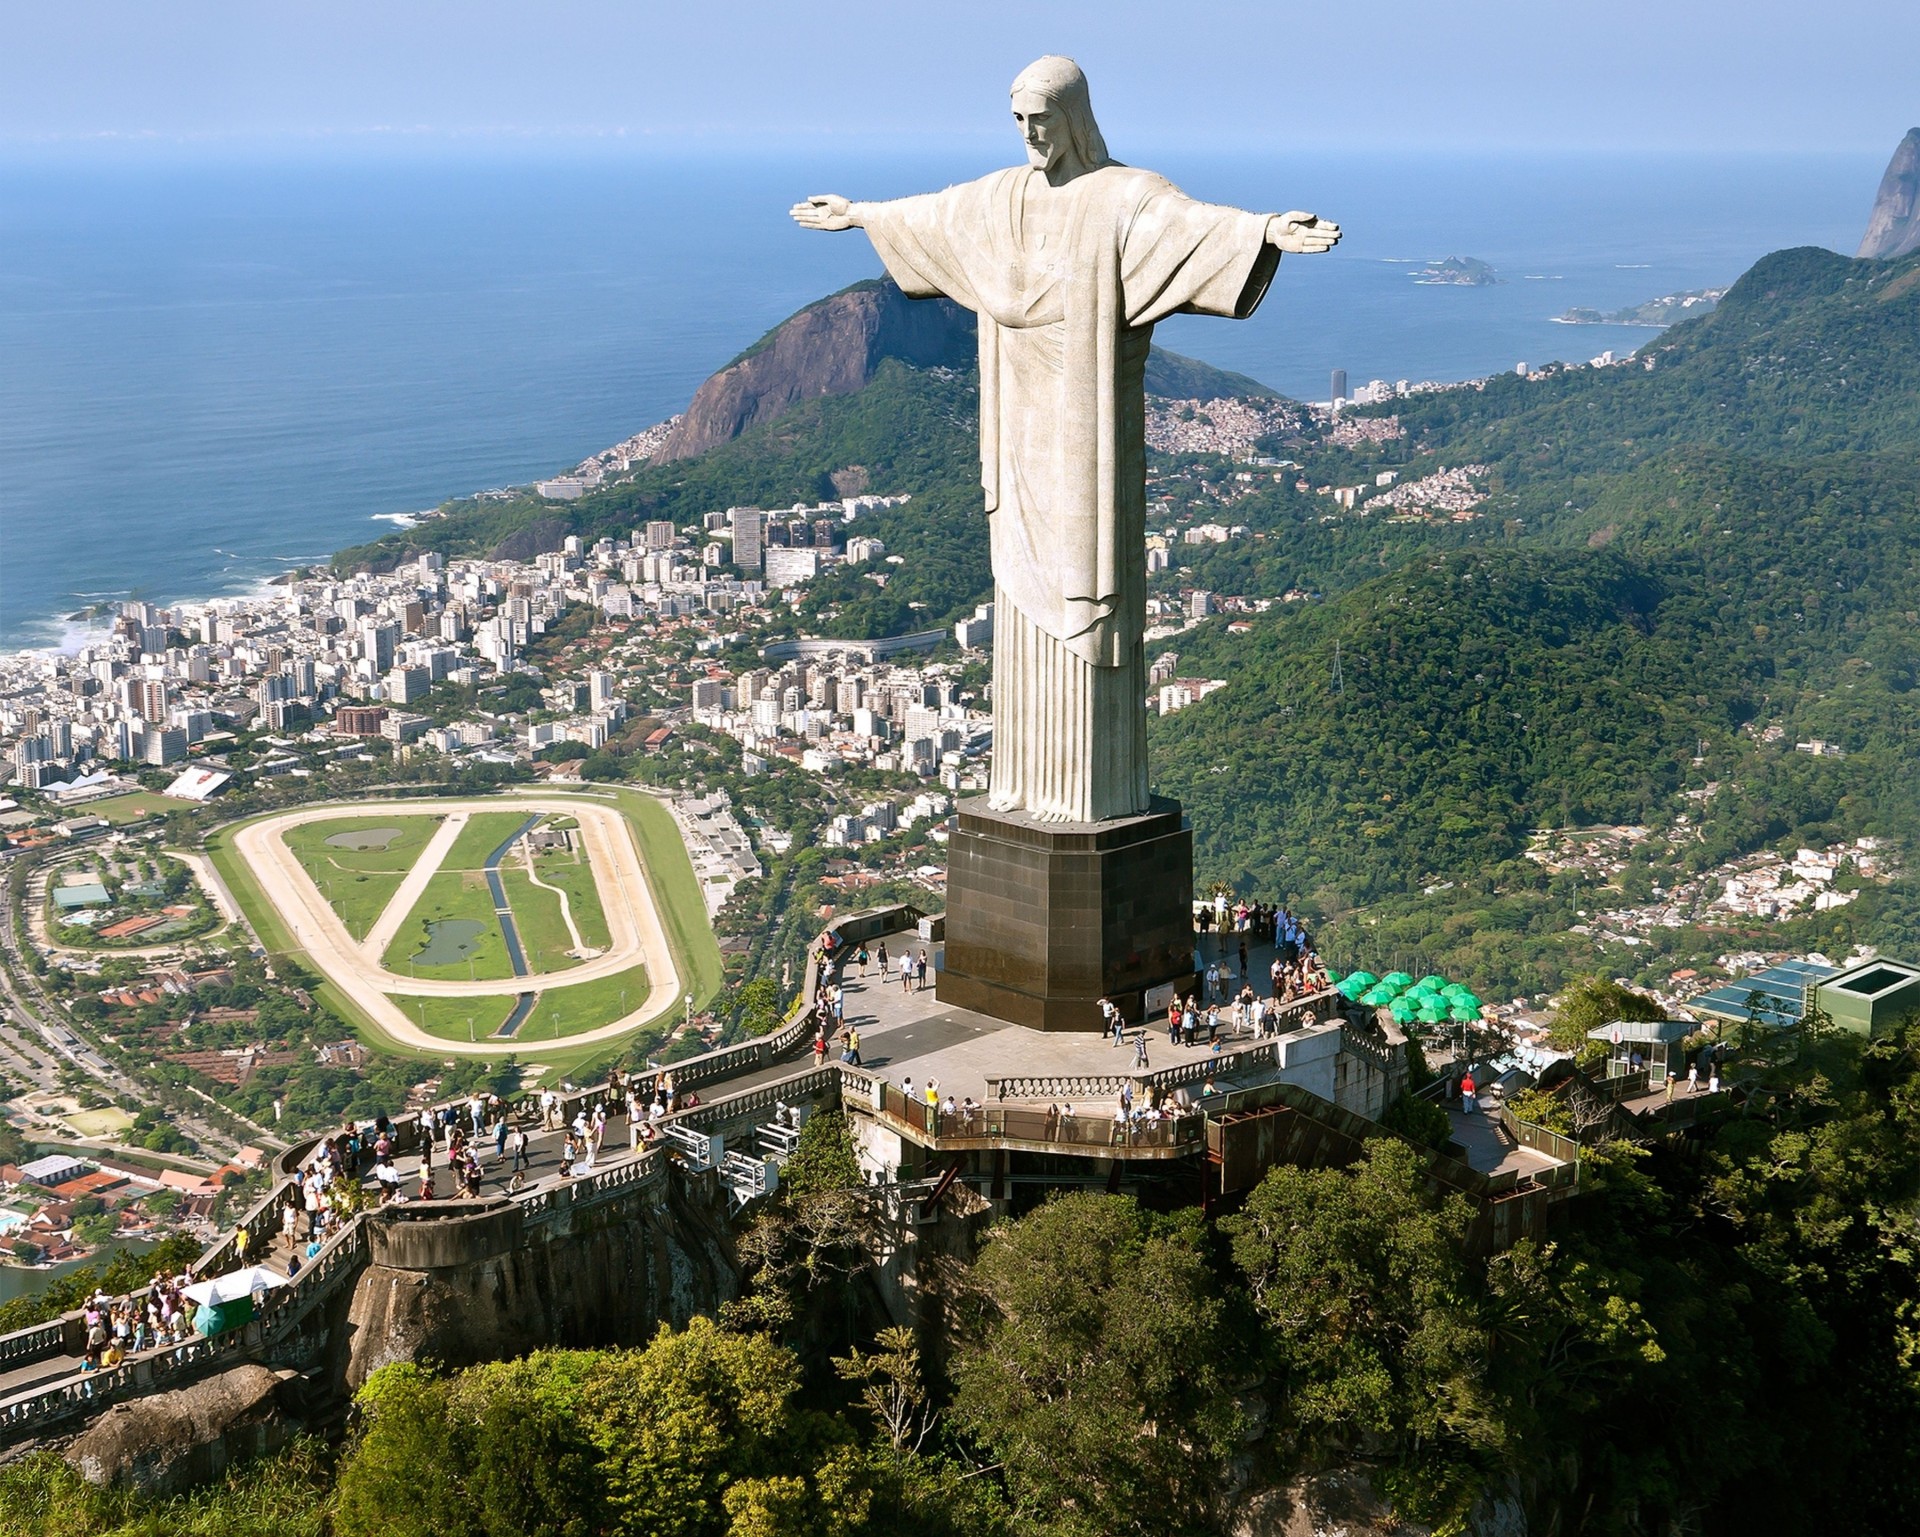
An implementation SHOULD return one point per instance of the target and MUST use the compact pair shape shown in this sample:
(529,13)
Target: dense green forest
(1719,1339)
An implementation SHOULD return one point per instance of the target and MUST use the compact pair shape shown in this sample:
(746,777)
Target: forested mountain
(1708,553)
(1809,353)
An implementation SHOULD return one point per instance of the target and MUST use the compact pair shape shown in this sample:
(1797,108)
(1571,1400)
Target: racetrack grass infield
(485,831)
(544,937)
(448,1017)
(563,1011)
(451,896)
(573,873)
(358,883)
(676,892)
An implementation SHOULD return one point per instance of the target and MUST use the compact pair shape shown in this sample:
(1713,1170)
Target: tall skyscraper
(1339,385)
(747,523)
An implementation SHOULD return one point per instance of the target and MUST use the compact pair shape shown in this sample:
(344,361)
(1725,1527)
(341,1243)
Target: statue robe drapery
(1063,335)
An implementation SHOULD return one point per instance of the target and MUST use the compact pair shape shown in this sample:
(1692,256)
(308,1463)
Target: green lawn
(574,875)
(452,896)
(358,883)
(131,807)
(485,831)
(563,1011)
(452,1018)
(536,913)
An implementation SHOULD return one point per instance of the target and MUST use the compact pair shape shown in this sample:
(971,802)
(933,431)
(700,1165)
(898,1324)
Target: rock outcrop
(1893,228)
(835,345)
(832,347)
(166,1442)
(463,1292)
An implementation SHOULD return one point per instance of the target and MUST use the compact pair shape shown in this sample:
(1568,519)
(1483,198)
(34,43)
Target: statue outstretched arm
(1304,234)
(828,212)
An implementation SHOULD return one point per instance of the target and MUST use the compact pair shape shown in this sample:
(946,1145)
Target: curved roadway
(619,872)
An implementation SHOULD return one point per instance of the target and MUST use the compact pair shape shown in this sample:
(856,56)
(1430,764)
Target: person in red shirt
(1466,1093)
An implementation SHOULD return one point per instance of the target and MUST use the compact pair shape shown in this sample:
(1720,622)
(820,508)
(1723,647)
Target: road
(46,1037)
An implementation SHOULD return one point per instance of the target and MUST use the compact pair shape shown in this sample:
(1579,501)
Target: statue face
(1043,128)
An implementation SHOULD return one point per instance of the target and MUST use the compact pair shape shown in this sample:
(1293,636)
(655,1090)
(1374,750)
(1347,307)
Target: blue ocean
(213,366)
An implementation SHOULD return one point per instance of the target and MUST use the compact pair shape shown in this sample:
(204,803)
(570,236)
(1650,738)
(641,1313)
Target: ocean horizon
(218,368)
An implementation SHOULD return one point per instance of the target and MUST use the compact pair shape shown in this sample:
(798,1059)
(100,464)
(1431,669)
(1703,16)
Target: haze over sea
(212,368)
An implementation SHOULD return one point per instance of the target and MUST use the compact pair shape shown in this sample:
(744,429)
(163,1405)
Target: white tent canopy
(234,1285)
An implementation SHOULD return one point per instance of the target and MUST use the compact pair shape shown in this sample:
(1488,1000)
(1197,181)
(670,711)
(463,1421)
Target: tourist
(907,1089)
(1467,1102)
(933,1100)
(1213,1024)
(906,971)
(501,1131)
(819,1045)
(1693,1075)
(425,1192)
(1713,1081)
(290,1221)
(880,955)
(1140,1052)
(920,971)
(852,1053)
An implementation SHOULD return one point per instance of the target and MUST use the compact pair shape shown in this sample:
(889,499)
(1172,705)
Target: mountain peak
(1893,228)
(835,345)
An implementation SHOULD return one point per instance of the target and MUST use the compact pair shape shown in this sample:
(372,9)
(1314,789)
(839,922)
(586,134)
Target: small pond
(365,838)
(451,941)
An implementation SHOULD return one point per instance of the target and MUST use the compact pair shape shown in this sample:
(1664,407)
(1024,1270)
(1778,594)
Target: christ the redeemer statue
(1068,261)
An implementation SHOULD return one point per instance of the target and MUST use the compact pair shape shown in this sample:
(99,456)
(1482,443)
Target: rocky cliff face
(1893,229)
(833,347)
(610,1277)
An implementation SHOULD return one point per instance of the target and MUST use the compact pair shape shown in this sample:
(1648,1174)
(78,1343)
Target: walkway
(543,1148)
(1490,1150)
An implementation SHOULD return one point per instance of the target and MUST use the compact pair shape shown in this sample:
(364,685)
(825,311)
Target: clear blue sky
(1685,74)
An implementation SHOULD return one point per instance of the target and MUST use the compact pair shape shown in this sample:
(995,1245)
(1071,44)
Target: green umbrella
(1432,984)
(1463,1014)
(1376,997)
(1399,979)
(1465,999)
(1433,1016)
(1364,978)
(1350,989)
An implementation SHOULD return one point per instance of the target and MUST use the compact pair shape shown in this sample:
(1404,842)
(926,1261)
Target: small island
(1660,312)
(1458,272)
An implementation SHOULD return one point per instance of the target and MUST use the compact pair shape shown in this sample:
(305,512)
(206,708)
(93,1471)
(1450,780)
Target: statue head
(1055,115)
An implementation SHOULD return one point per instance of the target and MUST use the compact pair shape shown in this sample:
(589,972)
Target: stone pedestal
(1046,918)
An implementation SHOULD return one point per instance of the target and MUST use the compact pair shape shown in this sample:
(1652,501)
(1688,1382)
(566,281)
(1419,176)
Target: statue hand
(828,212)
(1302,233)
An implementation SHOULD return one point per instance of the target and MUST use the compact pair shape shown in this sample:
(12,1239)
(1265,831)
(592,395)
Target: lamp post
(689,1024)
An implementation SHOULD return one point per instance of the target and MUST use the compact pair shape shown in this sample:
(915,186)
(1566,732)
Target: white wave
(397,519)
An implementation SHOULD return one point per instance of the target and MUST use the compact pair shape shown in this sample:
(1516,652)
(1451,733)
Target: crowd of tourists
(125,1326)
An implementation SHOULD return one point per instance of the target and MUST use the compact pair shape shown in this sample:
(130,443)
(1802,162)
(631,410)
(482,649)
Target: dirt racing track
(633,923)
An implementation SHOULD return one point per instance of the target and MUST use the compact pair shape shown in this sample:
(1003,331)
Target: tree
(1591,1002)
(1097,1368)
(815,1236)
(891,1387)
(1370,1317)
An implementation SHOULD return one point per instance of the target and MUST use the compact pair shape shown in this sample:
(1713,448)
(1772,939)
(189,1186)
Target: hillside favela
(698,839)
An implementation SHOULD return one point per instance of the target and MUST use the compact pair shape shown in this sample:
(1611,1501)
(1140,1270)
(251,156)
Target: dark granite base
(1045,919)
